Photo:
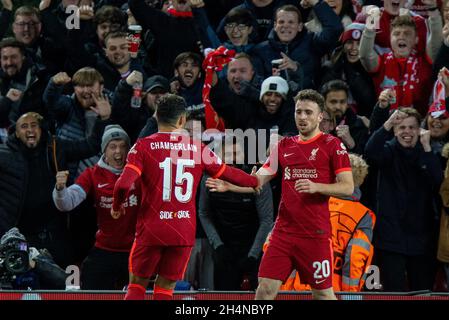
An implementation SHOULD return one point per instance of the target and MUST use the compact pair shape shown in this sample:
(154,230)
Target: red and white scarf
(214,61)
(402,76)
(438,106)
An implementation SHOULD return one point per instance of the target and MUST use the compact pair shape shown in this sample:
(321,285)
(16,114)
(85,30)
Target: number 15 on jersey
(181,194)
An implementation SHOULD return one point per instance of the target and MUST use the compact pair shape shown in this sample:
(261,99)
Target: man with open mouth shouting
(405,70)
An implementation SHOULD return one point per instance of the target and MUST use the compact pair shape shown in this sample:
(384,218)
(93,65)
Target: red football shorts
(169,262)
(312,259)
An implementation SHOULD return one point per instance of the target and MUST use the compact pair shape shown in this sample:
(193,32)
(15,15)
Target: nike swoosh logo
(320,281)
(287,155)
(102,185)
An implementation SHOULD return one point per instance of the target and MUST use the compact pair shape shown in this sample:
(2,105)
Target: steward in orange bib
(352,232)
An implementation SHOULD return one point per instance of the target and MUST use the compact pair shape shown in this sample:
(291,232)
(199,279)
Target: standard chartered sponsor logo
(106,202)
(304,174)
(296,173)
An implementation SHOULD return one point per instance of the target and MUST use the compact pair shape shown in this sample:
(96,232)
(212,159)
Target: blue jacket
(307,48)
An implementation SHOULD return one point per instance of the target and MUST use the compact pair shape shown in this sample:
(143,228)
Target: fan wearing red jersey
(105,268)
(314,166)
(169,165)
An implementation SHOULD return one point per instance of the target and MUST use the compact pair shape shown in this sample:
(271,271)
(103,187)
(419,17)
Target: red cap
(352,32)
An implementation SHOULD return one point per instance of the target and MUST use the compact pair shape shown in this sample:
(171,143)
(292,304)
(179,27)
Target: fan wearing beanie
(277,107)
(106,266)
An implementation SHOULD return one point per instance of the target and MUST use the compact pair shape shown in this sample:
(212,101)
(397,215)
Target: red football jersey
(170,166)
(319,160)
(112,234)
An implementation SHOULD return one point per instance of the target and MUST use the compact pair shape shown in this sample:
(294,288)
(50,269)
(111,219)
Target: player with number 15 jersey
(169,165)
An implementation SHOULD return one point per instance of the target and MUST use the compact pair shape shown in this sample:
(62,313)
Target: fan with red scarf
(214,61)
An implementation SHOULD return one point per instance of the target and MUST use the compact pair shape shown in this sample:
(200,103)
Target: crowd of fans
(67,122)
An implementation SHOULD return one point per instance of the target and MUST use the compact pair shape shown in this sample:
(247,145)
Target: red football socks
(135,292)
(162,294)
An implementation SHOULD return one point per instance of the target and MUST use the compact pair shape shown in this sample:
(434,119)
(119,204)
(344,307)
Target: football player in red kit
(169,165)
(314,166)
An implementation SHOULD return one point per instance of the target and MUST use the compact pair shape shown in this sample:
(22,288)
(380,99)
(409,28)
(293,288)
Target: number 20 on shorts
(322,269)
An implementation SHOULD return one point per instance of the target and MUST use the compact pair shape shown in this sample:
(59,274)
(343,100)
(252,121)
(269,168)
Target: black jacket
(173,35)
(307,48)
(79,57)
(14,168)
(31,80)
(357,129)
(240,112)
(132,120)
(408,180)
(360,83)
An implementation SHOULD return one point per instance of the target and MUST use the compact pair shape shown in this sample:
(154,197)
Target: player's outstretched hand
(306,186)
(117,214)
(217,185)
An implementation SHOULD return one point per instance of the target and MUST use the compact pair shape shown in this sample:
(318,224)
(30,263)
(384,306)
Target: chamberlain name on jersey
(173,146)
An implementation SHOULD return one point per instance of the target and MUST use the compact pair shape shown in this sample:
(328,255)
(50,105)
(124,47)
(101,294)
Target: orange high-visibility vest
(352,233)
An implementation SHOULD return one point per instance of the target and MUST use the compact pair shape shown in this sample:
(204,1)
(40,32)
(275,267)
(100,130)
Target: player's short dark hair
(169,108)
(289,8)
(334,85)
(187,55)
(12,42)
(311,95)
